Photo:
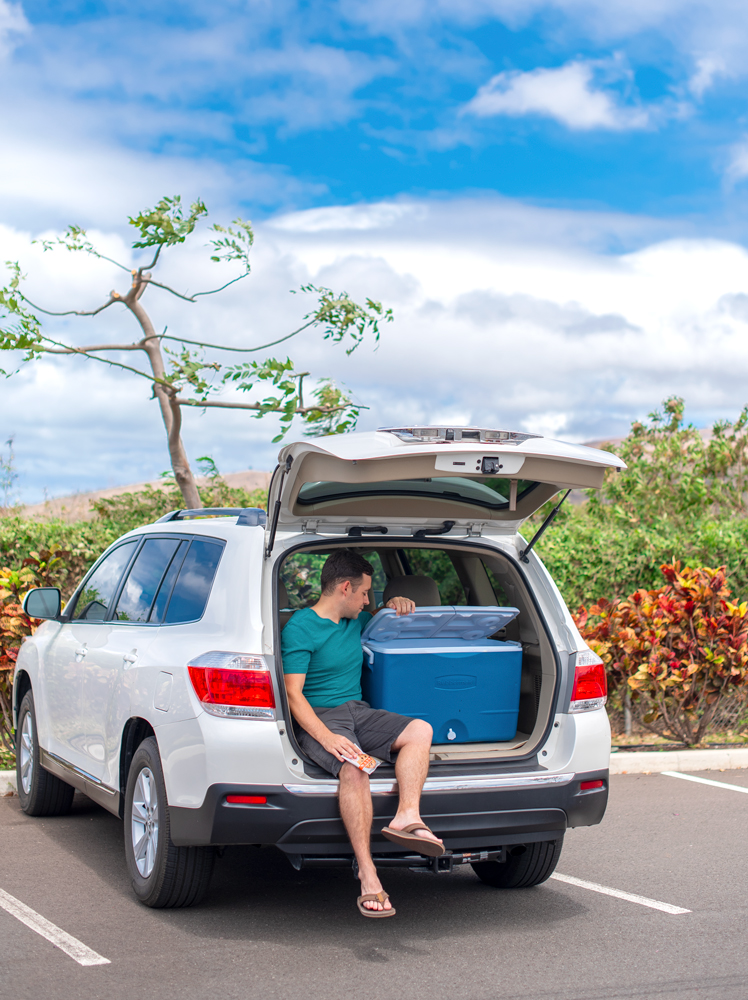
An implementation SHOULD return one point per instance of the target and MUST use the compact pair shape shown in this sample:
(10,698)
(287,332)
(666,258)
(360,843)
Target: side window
(99,589)
(191,591)
(502,598)
(300,575)
(167,584)
(147,572)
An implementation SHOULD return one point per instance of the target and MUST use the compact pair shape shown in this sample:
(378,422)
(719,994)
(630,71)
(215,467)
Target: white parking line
(630,897)
(705,781)
(78,951)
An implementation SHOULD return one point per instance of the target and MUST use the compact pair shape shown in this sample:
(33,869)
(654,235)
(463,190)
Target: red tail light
(233,685)
(587,786)
(590,683)
(247,800)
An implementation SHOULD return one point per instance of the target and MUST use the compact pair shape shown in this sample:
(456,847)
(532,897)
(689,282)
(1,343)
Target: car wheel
(40,793)
(163,875)
(525,865)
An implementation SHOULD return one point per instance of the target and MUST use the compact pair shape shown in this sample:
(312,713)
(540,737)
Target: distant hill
(77,507)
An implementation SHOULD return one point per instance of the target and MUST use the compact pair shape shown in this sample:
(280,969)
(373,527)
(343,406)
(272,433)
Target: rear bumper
(304,819)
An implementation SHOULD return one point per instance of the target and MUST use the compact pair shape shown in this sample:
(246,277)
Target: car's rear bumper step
(473,819)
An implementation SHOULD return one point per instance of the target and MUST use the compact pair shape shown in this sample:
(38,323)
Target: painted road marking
(705,781)
(78,951)
(631,897)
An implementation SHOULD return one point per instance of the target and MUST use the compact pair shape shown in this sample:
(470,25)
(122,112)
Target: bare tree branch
(93,357)
(261,406)
(71,312)
(240,350)
(149,267)
(96,347)
(214,290)
(191,298)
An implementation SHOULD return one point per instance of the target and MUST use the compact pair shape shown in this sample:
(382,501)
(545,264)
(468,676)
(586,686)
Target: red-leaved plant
(681,649)
(15,624)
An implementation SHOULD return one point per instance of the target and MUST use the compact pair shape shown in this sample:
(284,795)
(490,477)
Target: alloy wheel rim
(26,753)
(144,822)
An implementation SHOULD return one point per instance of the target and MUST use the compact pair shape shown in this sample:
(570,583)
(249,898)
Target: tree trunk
(171,411)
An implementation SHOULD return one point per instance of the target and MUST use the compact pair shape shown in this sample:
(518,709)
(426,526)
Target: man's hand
(401,605)
(338,745)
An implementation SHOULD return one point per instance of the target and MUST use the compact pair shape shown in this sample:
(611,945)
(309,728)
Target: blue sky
(633,106)
(555,162)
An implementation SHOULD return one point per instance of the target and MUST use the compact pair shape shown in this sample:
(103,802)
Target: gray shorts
(372,729)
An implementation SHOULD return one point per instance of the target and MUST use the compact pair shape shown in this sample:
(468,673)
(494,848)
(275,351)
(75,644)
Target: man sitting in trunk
(322,662)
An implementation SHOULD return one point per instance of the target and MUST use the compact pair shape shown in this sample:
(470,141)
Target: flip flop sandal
(406,838)
(375,897)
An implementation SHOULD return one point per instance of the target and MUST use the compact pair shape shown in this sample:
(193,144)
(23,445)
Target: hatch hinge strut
(546,524)
(273,527)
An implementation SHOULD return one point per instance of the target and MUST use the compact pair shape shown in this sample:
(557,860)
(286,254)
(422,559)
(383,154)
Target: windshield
(487,492)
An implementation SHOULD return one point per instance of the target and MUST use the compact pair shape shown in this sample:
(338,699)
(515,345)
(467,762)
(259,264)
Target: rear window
(194,581)
(482,491)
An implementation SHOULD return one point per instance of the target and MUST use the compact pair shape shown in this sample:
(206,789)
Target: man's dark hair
(344,564)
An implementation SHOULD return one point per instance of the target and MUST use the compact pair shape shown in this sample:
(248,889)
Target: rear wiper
(551,517)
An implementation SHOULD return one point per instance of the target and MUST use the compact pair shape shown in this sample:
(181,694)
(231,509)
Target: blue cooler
(437,664)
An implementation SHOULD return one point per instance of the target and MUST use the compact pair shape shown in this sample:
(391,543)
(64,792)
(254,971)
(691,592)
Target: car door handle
(80,653)
(130,657)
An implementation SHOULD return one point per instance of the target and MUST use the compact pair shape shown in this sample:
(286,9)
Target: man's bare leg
(357,811)
(411,768)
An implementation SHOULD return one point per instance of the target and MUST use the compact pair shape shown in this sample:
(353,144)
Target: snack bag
(363,761)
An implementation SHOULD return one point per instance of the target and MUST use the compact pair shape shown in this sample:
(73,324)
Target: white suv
(158,691)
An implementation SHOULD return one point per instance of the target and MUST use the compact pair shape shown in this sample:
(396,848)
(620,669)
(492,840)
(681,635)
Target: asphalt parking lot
(265,930)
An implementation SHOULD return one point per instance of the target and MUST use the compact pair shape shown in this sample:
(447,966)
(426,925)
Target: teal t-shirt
(330,655)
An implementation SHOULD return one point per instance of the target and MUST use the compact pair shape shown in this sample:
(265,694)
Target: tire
(525,865)
(162,874)
(40,793)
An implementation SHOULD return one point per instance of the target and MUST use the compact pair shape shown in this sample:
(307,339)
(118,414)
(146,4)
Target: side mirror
(43,602)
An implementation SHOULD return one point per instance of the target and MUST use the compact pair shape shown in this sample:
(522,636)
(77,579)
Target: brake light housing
(590,690)
(233,685)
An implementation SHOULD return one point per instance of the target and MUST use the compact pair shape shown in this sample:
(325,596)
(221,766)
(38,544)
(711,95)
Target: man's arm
(308,719)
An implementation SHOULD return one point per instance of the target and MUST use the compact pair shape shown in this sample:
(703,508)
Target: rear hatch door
(414,478)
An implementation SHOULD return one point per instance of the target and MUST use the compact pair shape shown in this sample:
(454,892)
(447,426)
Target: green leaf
(166,224)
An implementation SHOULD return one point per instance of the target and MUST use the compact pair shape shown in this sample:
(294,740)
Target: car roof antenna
(546,524)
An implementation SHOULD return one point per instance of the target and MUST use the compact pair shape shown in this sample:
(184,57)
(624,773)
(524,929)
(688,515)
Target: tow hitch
(415,862)
(448,860)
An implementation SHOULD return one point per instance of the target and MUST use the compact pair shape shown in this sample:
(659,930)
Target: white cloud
(566,94)
(708,68)
(737,164)
(506,315)
(13,25)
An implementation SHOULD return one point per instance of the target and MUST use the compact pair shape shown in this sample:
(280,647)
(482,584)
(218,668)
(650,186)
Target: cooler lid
(445,622)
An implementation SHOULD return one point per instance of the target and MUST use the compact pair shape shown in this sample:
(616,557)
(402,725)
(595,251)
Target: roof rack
(443,435)
(247,517)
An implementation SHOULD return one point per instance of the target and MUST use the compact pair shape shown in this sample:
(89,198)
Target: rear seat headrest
(422,590)
(282,595)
